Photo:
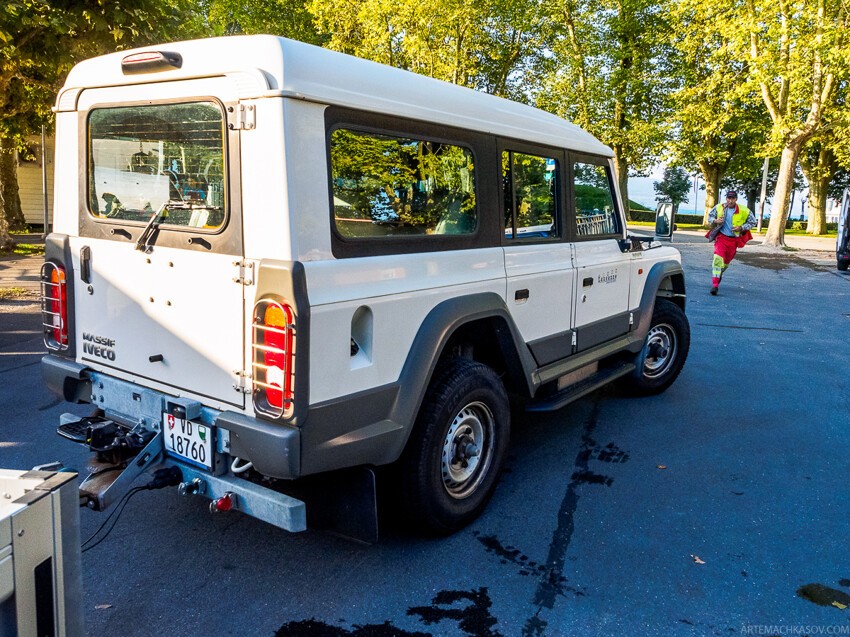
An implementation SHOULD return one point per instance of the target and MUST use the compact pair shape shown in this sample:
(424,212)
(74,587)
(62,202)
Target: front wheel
(664,351)
(452,461)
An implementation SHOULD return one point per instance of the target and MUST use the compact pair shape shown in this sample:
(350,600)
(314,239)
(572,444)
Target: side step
(567,395)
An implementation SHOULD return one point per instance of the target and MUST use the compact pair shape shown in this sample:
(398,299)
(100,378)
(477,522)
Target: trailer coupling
(122,454)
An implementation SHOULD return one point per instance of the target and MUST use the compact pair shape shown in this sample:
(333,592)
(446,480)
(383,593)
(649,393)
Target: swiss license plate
(188,440)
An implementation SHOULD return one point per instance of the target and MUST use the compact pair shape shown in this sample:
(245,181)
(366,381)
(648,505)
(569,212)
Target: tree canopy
(708,85)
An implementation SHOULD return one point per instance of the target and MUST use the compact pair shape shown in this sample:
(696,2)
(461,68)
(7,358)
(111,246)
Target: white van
(272,261)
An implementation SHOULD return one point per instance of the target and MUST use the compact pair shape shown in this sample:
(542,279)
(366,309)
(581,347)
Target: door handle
(587,282)
(521,295)
(85,264)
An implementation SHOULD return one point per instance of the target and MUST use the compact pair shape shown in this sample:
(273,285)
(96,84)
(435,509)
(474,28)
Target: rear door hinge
(242,116)
(244,272)
(243,381)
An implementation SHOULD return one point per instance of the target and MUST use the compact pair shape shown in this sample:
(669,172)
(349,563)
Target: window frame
(226,238)
(572,217)
(380,124)
(528,148)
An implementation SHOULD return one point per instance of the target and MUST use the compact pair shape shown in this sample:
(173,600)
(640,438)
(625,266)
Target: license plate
(188,440)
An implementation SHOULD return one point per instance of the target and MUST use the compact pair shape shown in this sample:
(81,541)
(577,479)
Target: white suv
(272,261)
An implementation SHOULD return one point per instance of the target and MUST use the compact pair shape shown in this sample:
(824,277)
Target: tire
(664,351)
(842,265)
(452,461)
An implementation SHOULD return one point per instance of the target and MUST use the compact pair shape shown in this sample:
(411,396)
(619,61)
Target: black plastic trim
(287,281)
(593,334)
(274,449)
(552,348)
(66,378)
(57,250)
(375,425)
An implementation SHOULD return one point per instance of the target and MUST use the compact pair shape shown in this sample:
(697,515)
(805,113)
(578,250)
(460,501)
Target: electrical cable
(116,513)
(162,478)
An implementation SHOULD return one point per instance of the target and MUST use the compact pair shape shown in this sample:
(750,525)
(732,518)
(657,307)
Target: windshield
(142,157)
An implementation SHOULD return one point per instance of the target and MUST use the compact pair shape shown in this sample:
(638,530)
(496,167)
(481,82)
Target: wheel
(842,265)
(452,461)
(664,351)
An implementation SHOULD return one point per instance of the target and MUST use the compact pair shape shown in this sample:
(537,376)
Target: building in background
(30,181)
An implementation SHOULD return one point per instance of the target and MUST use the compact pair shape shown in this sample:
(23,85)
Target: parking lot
(717,508)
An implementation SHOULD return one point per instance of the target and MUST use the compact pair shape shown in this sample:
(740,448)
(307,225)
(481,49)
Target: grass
(24,250)
(13,293)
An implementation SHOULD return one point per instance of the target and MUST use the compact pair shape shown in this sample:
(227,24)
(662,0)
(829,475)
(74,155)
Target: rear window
(385,185)
(144,157)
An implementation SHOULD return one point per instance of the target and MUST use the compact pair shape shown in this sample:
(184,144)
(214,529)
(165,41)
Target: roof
(272,66)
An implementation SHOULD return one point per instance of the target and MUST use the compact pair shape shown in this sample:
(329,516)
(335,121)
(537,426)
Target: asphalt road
(717,508)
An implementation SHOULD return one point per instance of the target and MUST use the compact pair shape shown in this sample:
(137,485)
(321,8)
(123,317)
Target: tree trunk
(817,206)
(752,195)
(711,175)
(818,173)
(784,186)
(621,168)
(12,211)
(6,242)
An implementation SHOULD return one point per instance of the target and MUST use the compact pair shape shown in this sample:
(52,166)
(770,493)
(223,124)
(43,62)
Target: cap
(732,193)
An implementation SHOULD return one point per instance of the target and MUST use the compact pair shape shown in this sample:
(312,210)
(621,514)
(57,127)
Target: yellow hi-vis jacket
(739,217)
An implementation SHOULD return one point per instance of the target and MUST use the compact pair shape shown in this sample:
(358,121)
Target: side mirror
(664,225)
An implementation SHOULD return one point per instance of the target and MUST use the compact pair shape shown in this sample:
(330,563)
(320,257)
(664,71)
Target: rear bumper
(274,449)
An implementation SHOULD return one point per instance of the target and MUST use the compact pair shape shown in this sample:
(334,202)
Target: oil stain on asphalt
(469,610)
(824,595)
(549,586)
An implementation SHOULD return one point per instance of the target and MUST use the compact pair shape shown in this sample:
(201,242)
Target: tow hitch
(122,454)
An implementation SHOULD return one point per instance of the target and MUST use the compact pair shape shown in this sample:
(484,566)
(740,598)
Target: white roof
(295,69)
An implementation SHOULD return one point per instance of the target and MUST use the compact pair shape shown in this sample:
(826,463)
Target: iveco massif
(271,261)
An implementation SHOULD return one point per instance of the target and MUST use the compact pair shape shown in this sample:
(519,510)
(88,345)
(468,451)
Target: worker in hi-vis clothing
(730,230)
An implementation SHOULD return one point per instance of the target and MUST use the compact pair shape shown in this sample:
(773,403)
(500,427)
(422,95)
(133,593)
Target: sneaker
(713,290)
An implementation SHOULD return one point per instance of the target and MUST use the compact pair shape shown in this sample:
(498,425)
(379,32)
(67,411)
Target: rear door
(166,311)
(602,268)
(538,259)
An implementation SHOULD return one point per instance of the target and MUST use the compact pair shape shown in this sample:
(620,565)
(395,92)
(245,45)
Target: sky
(641,191)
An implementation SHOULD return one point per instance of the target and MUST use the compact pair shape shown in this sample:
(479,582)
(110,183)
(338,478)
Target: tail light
(273,366)
(54,306)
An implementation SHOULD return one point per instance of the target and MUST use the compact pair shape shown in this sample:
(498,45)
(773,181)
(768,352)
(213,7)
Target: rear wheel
(664,351)
(842,265)
(452,461)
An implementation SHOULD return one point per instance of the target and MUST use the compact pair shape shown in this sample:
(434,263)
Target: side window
(530,184)
(385,185)
(594,201)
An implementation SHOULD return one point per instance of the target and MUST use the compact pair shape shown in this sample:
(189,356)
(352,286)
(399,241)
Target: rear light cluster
(54,306)
(273,365)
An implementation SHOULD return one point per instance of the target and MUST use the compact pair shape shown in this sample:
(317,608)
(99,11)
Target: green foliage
(287,18)
(610,74)
(43,39)
(674,187)
(488,45)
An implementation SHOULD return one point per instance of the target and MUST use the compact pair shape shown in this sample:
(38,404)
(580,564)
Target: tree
(797,56)
(720,122)
(484,45)
(41,41)
(611,75)
(287,18)
(674,187)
